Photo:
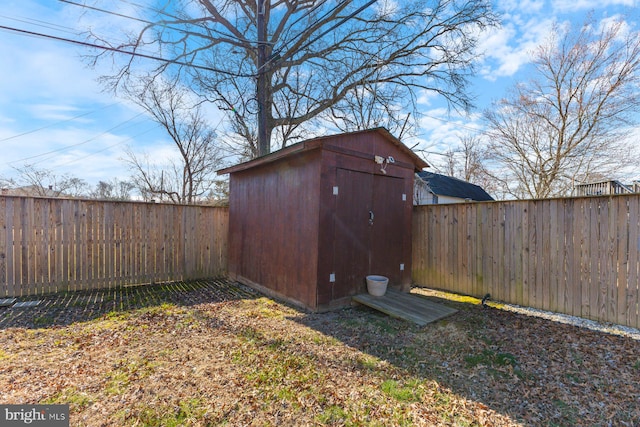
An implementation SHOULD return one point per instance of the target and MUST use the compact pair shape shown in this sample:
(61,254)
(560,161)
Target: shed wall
(273,236)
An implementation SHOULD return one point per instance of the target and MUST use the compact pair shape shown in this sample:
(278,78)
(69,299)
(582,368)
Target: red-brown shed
(309,222)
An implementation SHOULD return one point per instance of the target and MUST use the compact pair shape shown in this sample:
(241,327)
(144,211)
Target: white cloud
(521,6)
(54,112)
(443,131)
(508,48)
(565,6)
(386,7)
(426,97)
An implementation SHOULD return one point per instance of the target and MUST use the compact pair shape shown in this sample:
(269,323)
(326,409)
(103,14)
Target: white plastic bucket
(377,285)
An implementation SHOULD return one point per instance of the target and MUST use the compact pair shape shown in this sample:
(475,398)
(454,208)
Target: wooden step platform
(407,306)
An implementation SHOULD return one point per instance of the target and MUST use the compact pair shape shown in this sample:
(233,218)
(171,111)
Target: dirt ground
(216,353)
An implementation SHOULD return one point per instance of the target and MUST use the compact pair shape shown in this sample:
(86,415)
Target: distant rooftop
(443,185)
(606,188)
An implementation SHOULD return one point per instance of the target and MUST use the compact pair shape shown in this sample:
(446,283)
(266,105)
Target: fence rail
(579,256)
(50,245)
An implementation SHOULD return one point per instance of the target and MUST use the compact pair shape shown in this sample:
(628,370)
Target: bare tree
(280,64)
(373,105)
(191,174)
(571,121)
(43,182)
(467,160)
(113,190)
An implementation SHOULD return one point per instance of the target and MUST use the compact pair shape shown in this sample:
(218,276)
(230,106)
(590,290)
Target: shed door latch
(370,217)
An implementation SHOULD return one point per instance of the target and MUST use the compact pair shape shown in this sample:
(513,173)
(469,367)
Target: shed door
(362,246)
(352,232)
(388,231)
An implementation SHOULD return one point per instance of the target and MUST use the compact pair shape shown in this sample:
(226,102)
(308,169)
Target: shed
(309,222)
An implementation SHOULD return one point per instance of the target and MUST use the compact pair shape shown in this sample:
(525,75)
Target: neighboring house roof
(30,191)
(442,185)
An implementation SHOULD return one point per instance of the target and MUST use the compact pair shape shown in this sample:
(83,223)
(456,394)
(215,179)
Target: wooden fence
(579,256)
(51,245)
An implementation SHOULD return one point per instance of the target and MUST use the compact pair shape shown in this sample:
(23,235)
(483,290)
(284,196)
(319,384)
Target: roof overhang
(315,143)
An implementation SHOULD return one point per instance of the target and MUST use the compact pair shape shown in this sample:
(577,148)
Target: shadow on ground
(65,308)
(533,370)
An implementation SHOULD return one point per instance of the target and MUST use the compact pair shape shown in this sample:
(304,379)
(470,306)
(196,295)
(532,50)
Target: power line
(337,24)
(86,6)
(126,52)
(57,123)
(110,146)
(41,23)
(276,55)
(144,21)
(73,145)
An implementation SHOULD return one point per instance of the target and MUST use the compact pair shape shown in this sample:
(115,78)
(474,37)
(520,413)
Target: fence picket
(632,309)
(622,225)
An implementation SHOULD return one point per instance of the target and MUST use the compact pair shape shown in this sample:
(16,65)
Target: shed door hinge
(404,197)
(335,190)
(332,277)
(401,267)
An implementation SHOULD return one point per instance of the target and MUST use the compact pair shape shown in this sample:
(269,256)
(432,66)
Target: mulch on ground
(214,352)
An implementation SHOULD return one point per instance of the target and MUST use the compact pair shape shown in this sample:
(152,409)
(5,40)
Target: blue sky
(54,114)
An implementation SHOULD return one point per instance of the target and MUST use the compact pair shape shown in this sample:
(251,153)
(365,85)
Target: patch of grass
(490,358)
(409,392)
(77,400)
(572,376)
(636,365)
(125,372)
(276,344)
(164,308)
(281,367)
(498,364)
(333,415)
(567,412)
(116,316)
(252,335)
(43,321)
(385,324)
(117,383)
(321,339)
(367,362)
(185,412)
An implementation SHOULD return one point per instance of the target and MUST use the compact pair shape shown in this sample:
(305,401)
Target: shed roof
(315,143)
(443,185)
